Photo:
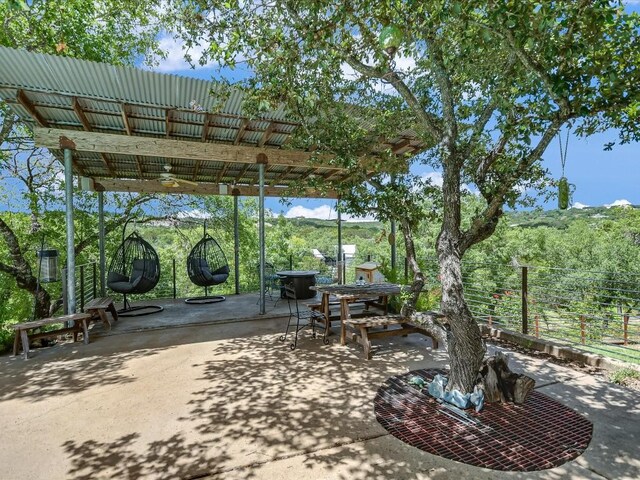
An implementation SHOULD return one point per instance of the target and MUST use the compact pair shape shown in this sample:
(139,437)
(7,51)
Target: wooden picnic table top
(355,290)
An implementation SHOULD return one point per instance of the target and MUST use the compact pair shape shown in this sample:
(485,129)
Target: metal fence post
(82,288)
(94,291)
(525,301)
(174,279)
(625,329)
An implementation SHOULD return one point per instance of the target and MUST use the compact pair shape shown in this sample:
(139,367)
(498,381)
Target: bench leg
(85,332)
(113,312)
(366,343)
(103,317)
(16,343)
(25,343)
(344,315)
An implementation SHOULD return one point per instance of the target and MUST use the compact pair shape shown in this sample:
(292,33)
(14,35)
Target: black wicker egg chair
(134,269)
(207,266)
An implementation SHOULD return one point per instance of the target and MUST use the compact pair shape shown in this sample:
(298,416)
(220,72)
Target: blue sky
(600,177)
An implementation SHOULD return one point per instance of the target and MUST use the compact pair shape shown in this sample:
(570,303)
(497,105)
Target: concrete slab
(228,400)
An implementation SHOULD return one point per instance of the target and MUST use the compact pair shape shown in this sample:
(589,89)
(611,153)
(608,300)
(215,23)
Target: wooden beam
(125,119)
(266,135)
(26,103)
(154,186)
(243,127)
(169,148)
(284,174)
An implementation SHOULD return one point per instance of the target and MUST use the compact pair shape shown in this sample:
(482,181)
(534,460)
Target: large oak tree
(488,83)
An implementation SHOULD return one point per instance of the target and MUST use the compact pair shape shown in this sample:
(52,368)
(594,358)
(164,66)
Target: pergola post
(71,255)
(236,241)
(261,160)
(392,239)
(340,260)
(103,268)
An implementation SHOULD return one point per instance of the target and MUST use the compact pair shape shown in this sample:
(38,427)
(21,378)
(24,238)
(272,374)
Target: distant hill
(559,218)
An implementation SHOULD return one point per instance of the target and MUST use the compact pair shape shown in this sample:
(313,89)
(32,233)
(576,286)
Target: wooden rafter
(241,129)
(402,144)
(77,108)
(286,172)
(266,135)
(167,122)
(242,172)
(222,172)
(30,107)
(205,128)
(196,170)
(139,166)
(125,118)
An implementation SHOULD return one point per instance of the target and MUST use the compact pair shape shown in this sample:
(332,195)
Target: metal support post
(261,235)
(236,245)
(103,261)
(71,255)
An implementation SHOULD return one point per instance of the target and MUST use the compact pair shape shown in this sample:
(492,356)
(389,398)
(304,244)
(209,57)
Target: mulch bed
(540,434)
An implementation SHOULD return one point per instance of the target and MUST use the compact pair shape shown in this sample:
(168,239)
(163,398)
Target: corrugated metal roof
(77,95)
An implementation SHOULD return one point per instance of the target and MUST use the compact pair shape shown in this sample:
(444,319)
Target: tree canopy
(487,83)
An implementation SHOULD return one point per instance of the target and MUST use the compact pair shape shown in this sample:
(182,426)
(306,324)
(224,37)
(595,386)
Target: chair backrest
(292,298)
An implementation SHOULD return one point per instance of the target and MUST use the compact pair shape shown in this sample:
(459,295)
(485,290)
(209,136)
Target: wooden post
(625,329)
(525,293)
(583,329)
(489,320)
(537,320)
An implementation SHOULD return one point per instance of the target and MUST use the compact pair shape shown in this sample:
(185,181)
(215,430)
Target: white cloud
(323,212)
(434,177)
(618,203)
(175,49)
(195,213)
(579,206)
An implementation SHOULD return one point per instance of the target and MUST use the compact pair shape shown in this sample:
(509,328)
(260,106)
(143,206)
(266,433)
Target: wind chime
(563,183)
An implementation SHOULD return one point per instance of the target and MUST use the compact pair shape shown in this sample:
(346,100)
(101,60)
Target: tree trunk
(500,384)
(465,346)
(409,306)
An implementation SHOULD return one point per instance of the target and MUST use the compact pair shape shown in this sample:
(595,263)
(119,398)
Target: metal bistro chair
(302,318)
(272,282)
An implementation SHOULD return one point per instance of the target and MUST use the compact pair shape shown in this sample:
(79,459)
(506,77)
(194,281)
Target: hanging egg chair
(134,269)
(207,266)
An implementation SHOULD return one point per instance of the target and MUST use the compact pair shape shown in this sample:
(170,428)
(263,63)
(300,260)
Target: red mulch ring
(538,435)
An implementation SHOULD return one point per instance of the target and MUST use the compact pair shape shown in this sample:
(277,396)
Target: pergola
(118,128)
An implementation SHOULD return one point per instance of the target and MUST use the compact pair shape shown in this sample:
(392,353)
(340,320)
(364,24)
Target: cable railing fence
(594,311)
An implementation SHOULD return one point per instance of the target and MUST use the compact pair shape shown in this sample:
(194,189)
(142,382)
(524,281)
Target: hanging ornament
(563,183)
(390,39)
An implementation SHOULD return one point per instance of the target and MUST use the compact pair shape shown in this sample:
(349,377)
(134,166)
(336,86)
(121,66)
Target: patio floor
(213,398)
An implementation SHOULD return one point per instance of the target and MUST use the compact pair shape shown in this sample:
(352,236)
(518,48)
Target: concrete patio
(215,398)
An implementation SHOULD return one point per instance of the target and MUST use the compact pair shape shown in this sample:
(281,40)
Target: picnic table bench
(98,309)
(23,330)
(369,328)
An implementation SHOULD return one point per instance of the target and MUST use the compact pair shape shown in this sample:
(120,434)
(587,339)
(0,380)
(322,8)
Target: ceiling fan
(169,180)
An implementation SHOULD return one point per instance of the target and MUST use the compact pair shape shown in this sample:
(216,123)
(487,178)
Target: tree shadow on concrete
(39,379)
(257,401)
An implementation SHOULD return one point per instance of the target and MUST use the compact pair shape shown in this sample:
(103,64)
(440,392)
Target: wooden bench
(369,328)
(380,303)
(98,309)
(22,335)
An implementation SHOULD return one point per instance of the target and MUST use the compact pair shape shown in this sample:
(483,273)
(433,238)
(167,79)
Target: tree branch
(429,121)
